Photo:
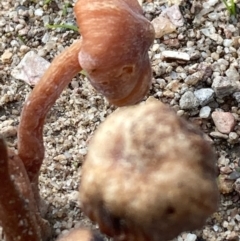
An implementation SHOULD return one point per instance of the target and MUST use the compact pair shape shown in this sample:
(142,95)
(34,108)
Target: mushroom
(148,175)
(116,61)
(118,55)
(115,42)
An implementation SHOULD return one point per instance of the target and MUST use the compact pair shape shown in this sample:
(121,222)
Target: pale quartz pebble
(217,134)
(205,112)
(214,16)
(227,42)
(38,12)
(162,26)
(215,228)
(190,237)
(174,15)
(31,68)
(6,57)
(176,55)
(224,121)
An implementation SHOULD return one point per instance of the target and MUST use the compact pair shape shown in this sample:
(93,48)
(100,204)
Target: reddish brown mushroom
(149,175)
(116,61)
(121,72)
(116,38)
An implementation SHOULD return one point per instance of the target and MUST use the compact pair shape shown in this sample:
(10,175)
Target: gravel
(204,79)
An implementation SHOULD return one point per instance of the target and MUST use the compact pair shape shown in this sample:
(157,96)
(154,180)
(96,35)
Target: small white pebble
(191,237)
(215,228)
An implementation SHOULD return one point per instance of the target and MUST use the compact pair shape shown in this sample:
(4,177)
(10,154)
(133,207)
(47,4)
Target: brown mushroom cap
(115,42)
(149,175)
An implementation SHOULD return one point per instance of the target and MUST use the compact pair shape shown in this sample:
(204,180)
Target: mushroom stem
(30,140)
(17,212)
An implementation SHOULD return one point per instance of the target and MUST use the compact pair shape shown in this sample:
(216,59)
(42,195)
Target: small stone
(204,95)
(194,78)
(233,74)
(83,151)
(162,26)
(236,42)
(215,228)
(214,16)
(217,134)
(223,161)
(6,57)
(172,43)
(233,137)
(225,185)
(188,101)
(191,237)
(207,70)
(225,170)
(205,112)
(73,196)
(209,3)
(215,56)
(223,86)
(174,14)
(174,86)
(224,121)
(236,186)
(8,131)
(60,157)
(234,175)
(236,96)
(31,68)
(38,12)
(227,42)
(216,37)
(168,54)
(45,37)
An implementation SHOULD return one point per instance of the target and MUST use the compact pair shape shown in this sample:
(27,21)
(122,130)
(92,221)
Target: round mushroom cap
(149,175)
(115,41)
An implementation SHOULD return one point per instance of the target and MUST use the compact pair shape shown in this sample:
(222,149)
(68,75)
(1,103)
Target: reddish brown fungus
(116,38)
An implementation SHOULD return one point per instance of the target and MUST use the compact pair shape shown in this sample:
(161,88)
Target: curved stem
(30,140)
(17,210)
